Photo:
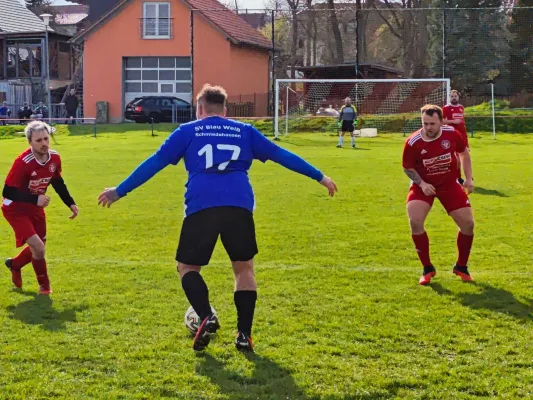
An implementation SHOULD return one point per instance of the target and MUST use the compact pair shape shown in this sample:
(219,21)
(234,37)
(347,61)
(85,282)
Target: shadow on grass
(490,298)
(271,381)
(490,192)
(268,380)
(40,311)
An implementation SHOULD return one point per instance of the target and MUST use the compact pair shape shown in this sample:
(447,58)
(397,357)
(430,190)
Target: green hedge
(11,131)
(404,123)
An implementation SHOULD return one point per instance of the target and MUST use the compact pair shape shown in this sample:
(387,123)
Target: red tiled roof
(232,24)
(236,28)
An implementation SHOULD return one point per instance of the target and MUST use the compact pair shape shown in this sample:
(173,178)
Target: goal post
(382,104)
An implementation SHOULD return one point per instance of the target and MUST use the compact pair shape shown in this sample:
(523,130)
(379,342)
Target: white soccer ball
(192,320)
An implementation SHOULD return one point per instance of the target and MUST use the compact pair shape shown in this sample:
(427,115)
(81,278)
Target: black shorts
(200,231)
(347,126)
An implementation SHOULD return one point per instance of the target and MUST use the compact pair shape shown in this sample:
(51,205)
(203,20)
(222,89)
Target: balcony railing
(156,28)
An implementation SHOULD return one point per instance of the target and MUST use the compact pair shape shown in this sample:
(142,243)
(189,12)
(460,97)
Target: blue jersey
(218,153)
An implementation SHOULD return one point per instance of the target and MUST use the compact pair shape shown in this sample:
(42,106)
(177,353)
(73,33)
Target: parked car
(159,108)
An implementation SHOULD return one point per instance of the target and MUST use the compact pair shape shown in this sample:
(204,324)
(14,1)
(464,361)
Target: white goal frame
(354,81)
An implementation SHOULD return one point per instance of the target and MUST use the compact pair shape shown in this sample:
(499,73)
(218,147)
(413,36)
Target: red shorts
(25,225)
(452,196)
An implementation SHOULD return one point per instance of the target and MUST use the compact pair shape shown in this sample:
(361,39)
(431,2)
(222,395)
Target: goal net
(383,105)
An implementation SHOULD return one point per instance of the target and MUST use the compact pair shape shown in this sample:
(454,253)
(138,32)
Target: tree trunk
(294,41)
(339,53)
(311,15)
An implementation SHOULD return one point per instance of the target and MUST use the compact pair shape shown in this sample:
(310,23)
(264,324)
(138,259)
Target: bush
(400,123)
(11,131)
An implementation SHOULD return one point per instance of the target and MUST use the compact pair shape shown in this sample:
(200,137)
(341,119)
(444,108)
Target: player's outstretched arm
(170,152)
(61,189)
(265,150)
(143,173)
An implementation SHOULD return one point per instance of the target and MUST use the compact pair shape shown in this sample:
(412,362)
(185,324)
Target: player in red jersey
(24,200)
(454,115)
(430,160)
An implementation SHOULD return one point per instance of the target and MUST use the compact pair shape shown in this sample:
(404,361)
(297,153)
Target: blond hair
(36,126)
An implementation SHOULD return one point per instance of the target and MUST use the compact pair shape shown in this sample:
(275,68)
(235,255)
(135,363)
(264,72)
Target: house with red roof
(172,48)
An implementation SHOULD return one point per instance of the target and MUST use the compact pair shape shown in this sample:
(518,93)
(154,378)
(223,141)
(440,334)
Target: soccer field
(340,313)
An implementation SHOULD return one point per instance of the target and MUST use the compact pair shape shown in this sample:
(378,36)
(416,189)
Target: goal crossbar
(283,83)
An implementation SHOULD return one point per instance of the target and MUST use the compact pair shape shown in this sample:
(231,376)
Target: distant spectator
(325,111)
(40,112)
(25,112)
(71,104)
(5,113)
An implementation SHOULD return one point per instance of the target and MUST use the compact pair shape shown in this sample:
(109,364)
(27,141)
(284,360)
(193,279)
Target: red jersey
(30,176)
(456,112)
(435,160)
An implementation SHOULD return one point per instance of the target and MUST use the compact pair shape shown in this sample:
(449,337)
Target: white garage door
(154,76)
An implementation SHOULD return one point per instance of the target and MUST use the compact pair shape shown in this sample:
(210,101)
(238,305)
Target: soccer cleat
(208,328)
(463,273)
(45,289)
(339,146)
(16,275)
(244,343)
(428,274)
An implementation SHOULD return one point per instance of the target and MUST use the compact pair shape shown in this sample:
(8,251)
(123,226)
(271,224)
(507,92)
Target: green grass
(340,313)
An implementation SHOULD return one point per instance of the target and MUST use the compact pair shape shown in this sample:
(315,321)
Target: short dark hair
(214,98)
(431,109)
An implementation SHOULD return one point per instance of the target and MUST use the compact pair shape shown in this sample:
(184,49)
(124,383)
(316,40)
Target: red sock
(22,259)
(422,248)
(39,266)
(464,245)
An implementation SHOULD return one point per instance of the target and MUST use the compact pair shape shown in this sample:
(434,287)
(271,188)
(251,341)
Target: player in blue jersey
(219,201)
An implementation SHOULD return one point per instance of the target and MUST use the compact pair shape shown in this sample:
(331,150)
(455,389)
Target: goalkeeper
(347,121)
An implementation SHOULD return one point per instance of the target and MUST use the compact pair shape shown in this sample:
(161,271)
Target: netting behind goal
(306,105)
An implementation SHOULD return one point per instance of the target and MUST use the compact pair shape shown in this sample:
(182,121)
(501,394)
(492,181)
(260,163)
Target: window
(133,75)
(150,87)
(167,88)
(133,87)
(167,62)
(183,62)
(156,76)
(180,103)
(167,75)
(150,75)
(183,87)
(183,75)
(150,102)
(156,21)
(133,62)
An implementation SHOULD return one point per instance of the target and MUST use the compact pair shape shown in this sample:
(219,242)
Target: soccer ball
(192,320)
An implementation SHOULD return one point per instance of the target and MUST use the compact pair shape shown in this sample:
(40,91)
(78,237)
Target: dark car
(158,108)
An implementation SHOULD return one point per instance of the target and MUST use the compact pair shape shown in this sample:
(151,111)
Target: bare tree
(234,5)
(338,56)
(409,27)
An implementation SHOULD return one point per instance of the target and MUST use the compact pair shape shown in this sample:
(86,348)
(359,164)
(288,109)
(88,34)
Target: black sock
(197,293)
(245,303)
